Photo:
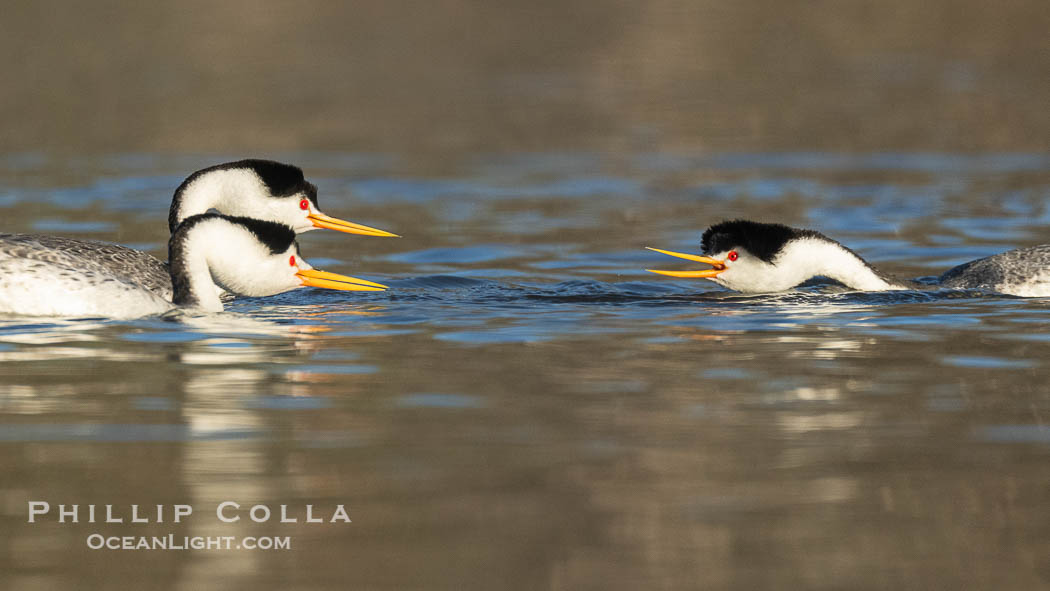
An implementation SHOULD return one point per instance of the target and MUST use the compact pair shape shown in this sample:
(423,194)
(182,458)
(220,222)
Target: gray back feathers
(90,257)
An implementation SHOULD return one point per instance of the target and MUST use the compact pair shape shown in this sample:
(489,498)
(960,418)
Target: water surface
(527,408)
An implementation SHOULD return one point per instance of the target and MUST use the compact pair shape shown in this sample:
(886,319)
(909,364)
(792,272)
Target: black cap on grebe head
(760,239)
(282,179)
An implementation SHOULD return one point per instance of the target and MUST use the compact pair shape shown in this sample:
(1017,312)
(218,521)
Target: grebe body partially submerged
(208,253)
(754,257)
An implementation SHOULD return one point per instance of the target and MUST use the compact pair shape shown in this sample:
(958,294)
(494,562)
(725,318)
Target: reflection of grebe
(47,275)
(760,258)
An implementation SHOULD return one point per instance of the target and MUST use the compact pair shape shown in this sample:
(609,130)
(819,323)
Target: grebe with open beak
(754,257)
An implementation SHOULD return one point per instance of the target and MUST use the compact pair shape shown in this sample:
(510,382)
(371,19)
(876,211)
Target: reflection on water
(526,400)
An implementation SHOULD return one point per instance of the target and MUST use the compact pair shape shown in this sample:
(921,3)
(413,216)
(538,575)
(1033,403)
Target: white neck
(232,192)
(194,285)
(212,254)
(812,257)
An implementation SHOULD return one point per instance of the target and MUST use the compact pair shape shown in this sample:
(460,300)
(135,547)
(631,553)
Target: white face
(293,211)
(246,267)
(750,274)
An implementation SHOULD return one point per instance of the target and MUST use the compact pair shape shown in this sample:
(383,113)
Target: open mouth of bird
(717,266)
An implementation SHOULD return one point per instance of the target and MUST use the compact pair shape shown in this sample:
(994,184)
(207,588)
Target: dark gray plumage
(1021,272)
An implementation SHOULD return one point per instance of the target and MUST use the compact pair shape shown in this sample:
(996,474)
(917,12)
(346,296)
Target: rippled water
(527,407)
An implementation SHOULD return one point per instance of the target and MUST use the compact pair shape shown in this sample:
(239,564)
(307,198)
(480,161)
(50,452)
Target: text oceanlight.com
(173,542)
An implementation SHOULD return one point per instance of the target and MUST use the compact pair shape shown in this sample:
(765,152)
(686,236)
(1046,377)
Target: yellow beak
(315,278)
(717,265)
(321,220)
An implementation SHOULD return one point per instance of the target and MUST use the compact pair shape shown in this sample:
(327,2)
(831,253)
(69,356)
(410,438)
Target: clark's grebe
(47,275)
(757,257)
(260,189)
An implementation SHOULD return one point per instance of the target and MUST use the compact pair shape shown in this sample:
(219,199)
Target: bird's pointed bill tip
(688,274)
(717,265)
(321,220)
(326,280)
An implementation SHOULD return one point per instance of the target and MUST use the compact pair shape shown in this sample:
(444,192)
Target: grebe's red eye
(291,261)
(304,204)
(733,255)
